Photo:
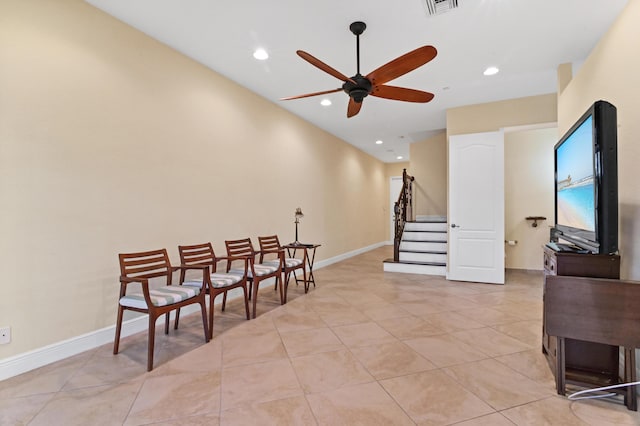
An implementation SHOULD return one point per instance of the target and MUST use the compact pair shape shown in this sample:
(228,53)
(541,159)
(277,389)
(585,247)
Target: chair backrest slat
(134,259)
(149,264)
(269,243)
(198,254)
(240,248)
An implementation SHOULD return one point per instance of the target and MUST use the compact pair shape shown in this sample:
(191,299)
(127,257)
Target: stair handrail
(403,211)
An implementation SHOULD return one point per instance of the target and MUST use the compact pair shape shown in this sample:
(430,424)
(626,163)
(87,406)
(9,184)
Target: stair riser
(425,226)
(423,246)
(423,257)
(430,218)
(424,236)
(415,269)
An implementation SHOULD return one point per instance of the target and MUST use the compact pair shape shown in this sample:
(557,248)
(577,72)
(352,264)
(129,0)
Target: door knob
(453,225)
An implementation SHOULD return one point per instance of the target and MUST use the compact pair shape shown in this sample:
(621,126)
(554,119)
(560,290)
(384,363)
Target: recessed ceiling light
(399,157)
(379,142)
(260,54)
(325,102)
(491,71)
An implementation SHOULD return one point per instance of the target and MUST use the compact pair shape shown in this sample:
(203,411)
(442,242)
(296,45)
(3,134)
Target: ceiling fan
(359,87)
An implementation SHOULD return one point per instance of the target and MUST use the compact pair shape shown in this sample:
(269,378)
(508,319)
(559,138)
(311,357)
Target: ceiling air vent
(436,7)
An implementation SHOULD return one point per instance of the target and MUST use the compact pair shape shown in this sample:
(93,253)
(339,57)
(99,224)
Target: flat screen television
(586,181)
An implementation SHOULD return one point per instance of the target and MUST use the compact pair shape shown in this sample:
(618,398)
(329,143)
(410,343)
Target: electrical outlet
(5,335)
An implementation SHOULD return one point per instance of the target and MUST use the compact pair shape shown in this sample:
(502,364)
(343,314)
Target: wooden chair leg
(284,287)
(255,298)
(152,335)
(246,300)
(166,323)
(287,277)
(207,334)
(175,324)
(211,302)
(305,278)
(116,342)
(224,301)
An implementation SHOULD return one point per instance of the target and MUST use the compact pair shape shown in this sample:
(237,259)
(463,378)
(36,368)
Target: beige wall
(612,72)
(395,169)
(493,116)
(528,191)
(113,142)
(429,167)
(565,73)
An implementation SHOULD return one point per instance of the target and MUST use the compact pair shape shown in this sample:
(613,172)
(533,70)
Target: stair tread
(423,241)
(407,262)
(425,252)
(428,231)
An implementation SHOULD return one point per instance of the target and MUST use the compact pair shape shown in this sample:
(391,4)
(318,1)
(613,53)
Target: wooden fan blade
(401,94)
(353,108)
(402,65)
(324,67)
(311,94)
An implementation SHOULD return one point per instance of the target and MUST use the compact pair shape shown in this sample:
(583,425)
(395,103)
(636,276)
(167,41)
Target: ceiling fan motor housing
(357,91)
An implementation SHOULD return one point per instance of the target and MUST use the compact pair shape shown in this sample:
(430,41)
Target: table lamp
(298,215)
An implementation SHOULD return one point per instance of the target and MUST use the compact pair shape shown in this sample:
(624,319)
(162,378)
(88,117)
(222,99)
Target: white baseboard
(27,361)
(345,256)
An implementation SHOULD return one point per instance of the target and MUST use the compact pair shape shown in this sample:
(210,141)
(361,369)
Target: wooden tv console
(595,310)
(586,362)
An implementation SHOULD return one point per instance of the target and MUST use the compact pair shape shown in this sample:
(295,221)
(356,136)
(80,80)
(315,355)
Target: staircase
(423,248)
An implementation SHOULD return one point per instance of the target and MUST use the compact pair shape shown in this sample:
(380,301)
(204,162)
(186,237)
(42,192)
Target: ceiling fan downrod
(362,88)
(358,28)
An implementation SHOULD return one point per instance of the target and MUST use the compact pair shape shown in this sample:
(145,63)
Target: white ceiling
(526,39)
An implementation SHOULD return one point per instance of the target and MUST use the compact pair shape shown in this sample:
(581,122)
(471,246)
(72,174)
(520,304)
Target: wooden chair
(141,268)
(217,282)
(270,246)
(257,272)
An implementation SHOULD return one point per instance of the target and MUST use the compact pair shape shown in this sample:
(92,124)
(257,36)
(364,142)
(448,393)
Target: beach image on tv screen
(575,186)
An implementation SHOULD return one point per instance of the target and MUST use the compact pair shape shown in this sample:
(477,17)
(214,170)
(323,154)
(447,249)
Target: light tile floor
(364,347)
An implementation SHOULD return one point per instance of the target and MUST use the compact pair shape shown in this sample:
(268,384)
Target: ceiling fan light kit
(359,87)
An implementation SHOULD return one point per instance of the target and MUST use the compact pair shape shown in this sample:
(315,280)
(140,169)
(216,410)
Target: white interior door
(395,186)
(476,207)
